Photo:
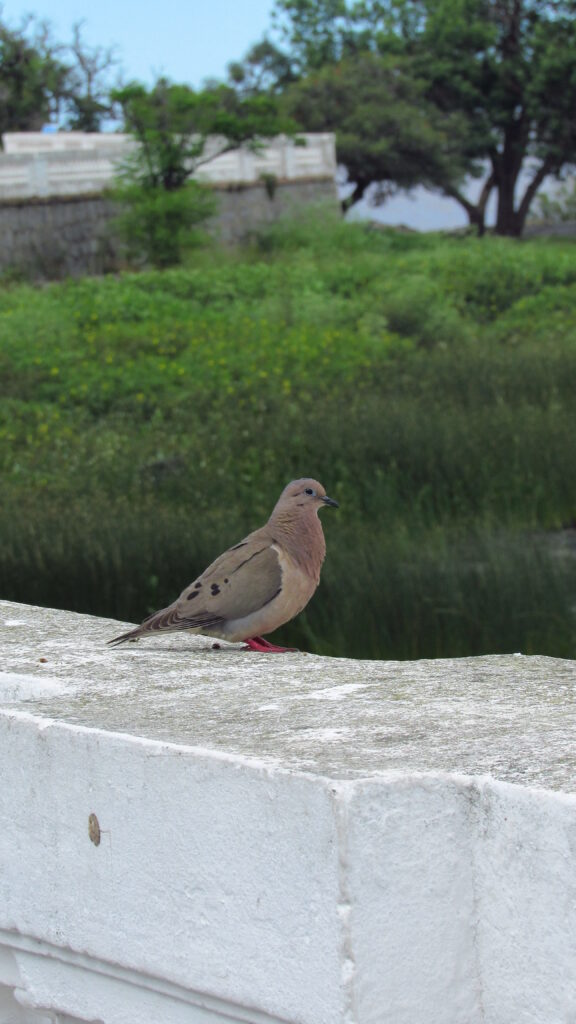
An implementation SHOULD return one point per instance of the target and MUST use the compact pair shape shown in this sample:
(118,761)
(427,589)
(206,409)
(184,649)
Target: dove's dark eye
(308,491)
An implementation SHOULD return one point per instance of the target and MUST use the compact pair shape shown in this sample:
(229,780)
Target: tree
(87,90)
(32,76)
(389,136)
(264,69)
(42,81)
(502,72)
(510,67)
(177,130)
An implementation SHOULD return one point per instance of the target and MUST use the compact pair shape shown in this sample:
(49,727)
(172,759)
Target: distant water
(427,211)
(420,210)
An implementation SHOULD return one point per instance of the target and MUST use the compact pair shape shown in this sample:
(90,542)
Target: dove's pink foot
(258,643)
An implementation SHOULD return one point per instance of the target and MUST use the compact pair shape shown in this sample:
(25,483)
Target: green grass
(148,420)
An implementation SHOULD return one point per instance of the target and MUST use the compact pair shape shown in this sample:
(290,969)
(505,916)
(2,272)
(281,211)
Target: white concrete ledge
(189,835)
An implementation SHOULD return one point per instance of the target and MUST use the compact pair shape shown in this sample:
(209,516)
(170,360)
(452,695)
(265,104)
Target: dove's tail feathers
(132,634)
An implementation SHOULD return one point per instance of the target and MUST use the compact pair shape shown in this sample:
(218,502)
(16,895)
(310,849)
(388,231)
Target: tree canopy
(389,135)
(172,124)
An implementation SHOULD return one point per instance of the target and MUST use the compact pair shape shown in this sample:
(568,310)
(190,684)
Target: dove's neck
(302,538)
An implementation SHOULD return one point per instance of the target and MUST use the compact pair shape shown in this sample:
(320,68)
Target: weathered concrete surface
(282,839)
(511,716)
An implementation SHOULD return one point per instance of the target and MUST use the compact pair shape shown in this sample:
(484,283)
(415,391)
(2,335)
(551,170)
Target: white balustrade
(34,164)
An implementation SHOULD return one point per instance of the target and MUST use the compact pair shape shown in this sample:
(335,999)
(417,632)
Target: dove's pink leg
(258,643)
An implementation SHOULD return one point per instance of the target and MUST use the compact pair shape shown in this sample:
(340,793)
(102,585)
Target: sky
(186,40)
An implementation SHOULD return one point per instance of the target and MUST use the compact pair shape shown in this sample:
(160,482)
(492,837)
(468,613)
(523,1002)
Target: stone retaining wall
(49,238)
(61,236)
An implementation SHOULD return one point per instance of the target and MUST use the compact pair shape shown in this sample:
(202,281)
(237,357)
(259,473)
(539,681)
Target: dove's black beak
(330,501)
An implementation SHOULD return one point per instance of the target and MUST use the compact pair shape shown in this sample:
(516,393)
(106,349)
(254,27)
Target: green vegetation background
(149,420)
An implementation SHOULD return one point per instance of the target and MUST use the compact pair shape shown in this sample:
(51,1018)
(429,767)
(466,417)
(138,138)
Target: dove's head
(300,496)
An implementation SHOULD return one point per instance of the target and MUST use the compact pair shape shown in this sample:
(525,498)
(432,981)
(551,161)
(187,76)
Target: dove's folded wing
(239,583)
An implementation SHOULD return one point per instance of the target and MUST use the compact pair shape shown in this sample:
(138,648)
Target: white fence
(35,164)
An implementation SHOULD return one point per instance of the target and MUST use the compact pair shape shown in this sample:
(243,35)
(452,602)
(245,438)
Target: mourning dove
(260,583)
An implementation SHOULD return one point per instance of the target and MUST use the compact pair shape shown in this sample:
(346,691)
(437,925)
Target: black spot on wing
(214,589)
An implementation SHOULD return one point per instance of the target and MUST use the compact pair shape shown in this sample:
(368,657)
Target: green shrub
(486,280)
(558,207)
(414,309)
(160,227)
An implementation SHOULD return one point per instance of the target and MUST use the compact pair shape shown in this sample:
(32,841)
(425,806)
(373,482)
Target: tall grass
(149,420)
